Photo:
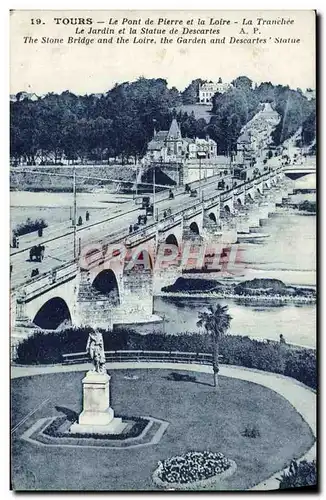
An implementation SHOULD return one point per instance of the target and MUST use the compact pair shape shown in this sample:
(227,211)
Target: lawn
(200,110)
(200,418)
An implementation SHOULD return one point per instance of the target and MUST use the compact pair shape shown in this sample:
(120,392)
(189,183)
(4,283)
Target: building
(169,146)
(207,91)
(245,150)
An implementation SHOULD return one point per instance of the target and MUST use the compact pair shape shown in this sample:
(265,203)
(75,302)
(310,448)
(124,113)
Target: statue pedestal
(97,416)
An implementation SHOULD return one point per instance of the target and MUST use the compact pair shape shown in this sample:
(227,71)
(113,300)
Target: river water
(288,254)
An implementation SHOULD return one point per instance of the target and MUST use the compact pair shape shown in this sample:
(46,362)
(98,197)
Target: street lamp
(74,212)
(200,155)
(154,203)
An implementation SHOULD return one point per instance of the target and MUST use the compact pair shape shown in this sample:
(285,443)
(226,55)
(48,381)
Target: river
(289,254)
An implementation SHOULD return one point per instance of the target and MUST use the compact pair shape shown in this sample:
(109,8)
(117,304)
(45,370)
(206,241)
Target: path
(301,397)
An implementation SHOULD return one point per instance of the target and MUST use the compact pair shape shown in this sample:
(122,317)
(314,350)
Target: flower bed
(194,470)
(59,428)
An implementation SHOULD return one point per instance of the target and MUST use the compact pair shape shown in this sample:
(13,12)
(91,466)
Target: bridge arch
(227,209)
(239,201)
(194,228)
(171,240)
(52,314)
(106,283)
(212,216)
(140,260)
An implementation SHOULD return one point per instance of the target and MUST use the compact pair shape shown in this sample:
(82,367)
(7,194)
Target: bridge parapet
(256,182)
(144,234)
(239,190)
(46,282)
(190,212)
(169,222)
(227,196)
(211,202)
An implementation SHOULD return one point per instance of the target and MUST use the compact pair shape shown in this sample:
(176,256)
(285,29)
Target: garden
(207,429)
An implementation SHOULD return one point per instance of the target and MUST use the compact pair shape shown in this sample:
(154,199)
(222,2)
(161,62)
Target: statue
(95,348)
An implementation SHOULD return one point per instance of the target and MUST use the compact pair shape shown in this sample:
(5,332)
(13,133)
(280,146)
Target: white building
(207,91)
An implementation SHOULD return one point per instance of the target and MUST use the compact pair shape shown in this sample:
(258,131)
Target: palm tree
(216,321)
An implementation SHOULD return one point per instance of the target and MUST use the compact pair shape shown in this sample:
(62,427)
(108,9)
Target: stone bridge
(114,283)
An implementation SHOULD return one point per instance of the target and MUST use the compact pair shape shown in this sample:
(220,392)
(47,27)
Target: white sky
(42,68)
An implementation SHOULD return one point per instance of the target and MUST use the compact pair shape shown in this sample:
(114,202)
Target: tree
(242,83)
(216,321)
(190,94)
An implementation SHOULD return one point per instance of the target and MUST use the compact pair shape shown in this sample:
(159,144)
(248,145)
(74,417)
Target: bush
(251,432)
(135,430)
(29,226)
(298,363)
(299,475)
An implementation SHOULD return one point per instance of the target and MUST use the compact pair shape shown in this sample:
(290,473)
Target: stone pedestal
(97,416)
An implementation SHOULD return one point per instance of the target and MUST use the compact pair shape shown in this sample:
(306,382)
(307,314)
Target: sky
(42,68)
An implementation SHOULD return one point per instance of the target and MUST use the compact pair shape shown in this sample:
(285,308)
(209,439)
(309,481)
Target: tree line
(121,122)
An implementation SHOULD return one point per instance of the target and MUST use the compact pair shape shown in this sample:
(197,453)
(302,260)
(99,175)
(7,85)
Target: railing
(53,277)
(138,356)
(227,196)
(238,190)
(212,201)
(171,220)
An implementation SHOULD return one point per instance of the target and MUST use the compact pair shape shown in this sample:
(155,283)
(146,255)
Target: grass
(200,110)
(200,419)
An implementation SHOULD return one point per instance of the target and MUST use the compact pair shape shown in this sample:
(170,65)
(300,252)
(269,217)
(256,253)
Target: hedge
(299,475)
(299,363)
(29,226)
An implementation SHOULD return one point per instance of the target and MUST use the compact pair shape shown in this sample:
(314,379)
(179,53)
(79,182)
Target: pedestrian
(130,228)
(282,339)
(87,216)
(80,221)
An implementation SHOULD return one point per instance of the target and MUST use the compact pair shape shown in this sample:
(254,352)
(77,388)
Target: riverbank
(257,289)
(217,295)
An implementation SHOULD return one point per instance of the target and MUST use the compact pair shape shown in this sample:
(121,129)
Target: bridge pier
(136,297)
(93,308)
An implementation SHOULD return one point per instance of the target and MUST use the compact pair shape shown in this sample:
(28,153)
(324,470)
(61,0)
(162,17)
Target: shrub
(181,377)
(299,363)
(135,430)
(251,432)
(300,474)
(29,226)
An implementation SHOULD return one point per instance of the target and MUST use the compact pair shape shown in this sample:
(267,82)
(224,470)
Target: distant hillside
(121,122)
